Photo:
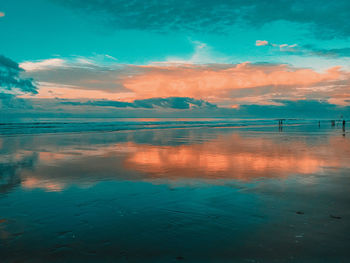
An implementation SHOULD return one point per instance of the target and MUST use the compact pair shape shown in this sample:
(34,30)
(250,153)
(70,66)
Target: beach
(156,190)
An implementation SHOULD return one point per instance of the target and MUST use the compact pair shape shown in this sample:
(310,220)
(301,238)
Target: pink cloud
(261,43)
(282,47)
(214,82)
(2,14)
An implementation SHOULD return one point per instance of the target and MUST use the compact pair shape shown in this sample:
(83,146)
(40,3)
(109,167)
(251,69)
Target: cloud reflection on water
(225,156)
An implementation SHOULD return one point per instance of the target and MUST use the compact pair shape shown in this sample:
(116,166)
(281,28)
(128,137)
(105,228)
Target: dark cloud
(10,171)
(296,109)
(47,108)
(174,103)
(9,101)
(326,18)
(333,52)
(10,77)
(307,50)
(99,103)
(89,76)
(171,103)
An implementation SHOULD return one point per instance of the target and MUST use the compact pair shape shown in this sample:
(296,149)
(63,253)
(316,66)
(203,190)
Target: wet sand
(249,194)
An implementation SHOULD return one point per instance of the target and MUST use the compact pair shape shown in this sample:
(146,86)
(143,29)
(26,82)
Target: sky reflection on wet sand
(230,156)
(161,195)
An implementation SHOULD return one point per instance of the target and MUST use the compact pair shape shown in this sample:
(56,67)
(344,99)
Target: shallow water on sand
(193,194)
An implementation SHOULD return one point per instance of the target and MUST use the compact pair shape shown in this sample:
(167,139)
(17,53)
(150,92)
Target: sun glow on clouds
(217,81)
(204,75)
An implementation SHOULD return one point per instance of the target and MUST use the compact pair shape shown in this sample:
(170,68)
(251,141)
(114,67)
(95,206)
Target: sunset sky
(196,58)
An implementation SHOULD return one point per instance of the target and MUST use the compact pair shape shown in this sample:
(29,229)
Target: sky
(195,58)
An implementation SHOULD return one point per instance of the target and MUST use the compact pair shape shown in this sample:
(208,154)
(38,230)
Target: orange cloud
(210,81)
(2,14)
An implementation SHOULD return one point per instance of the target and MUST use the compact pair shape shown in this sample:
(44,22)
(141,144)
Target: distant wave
(106,125)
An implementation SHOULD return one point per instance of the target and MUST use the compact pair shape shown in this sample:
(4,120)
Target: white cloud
(202,54)
(42,64)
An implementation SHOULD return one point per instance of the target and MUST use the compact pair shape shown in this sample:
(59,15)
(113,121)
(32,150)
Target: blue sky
(230,53)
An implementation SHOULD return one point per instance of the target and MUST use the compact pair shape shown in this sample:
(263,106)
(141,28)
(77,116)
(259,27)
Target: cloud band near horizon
(222,84)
